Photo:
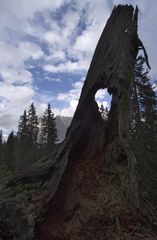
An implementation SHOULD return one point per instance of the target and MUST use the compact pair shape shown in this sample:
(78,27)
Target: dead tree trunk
(88,185)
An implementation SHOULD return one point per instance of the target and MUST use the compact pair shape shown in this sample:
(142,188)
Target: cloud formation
(46,47)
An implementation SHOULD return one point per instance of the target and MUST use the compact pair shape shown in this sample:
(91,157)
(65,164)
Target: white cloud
(12,75)
(101,94)
(70,22)
(13,100)
(12,61)
(68,111)
(16,14)
(40,108)
(8,122)
(59,54)
(83,44)
(98,12)
(69,41)
(52,38)
(72,98)
(86,41)
(73,94)
(16,94)
(102,97)
(32,50)
(53,79)
(67,67)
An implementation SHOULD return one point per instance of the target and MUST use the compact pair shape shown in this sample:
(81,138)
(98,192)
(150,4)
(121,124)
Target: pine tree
(1,138)
(144,98)
(10,151)
(7,159)
(144,114)
(1,146)
(104,112)
(23,145)
(144,127)
(33,124)
(27,138)
(48,136)
(23,127)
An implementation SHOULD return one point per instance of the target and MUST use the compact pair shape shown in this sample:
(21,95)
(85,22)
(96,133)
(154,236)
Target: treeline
(33,140)
(143,129)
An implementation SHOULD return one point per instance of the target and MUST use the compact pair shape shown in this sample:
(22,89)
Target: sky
(46,48)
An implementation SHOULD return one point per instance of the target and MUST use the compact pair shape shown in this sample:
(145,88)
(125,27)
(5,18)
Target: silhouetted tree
(27,150)
(104,112)
(33,124)
(144,126)
(23,132)
(24,143)
(10,153)
(1,137)
(48,136)
(1,146)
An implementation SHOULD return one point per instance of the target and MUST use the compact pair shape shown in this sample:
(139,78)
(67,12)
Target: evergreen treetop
(33,128)
(1,137)
(23,126)
(104,112)
(48,134)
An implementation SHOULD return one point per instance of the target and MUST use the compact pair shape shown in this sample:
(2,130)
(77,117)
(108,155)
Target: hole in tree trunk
(103,100)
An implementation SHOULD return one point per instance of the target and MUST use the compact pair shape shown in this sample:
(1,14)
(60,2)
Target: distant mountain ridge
(62,123)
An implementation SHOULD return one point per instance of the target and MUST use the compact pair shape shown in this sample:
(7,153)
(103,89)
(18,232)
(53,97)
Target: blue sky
(46,47)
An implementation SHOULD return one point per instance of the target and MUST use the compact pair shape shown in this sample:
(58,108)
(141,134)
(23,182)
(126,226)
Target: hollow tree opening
(103,100)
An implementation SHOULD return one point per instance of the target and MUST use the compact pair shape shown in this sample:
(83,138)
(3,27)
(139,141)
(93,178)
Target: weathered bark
(90,179)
